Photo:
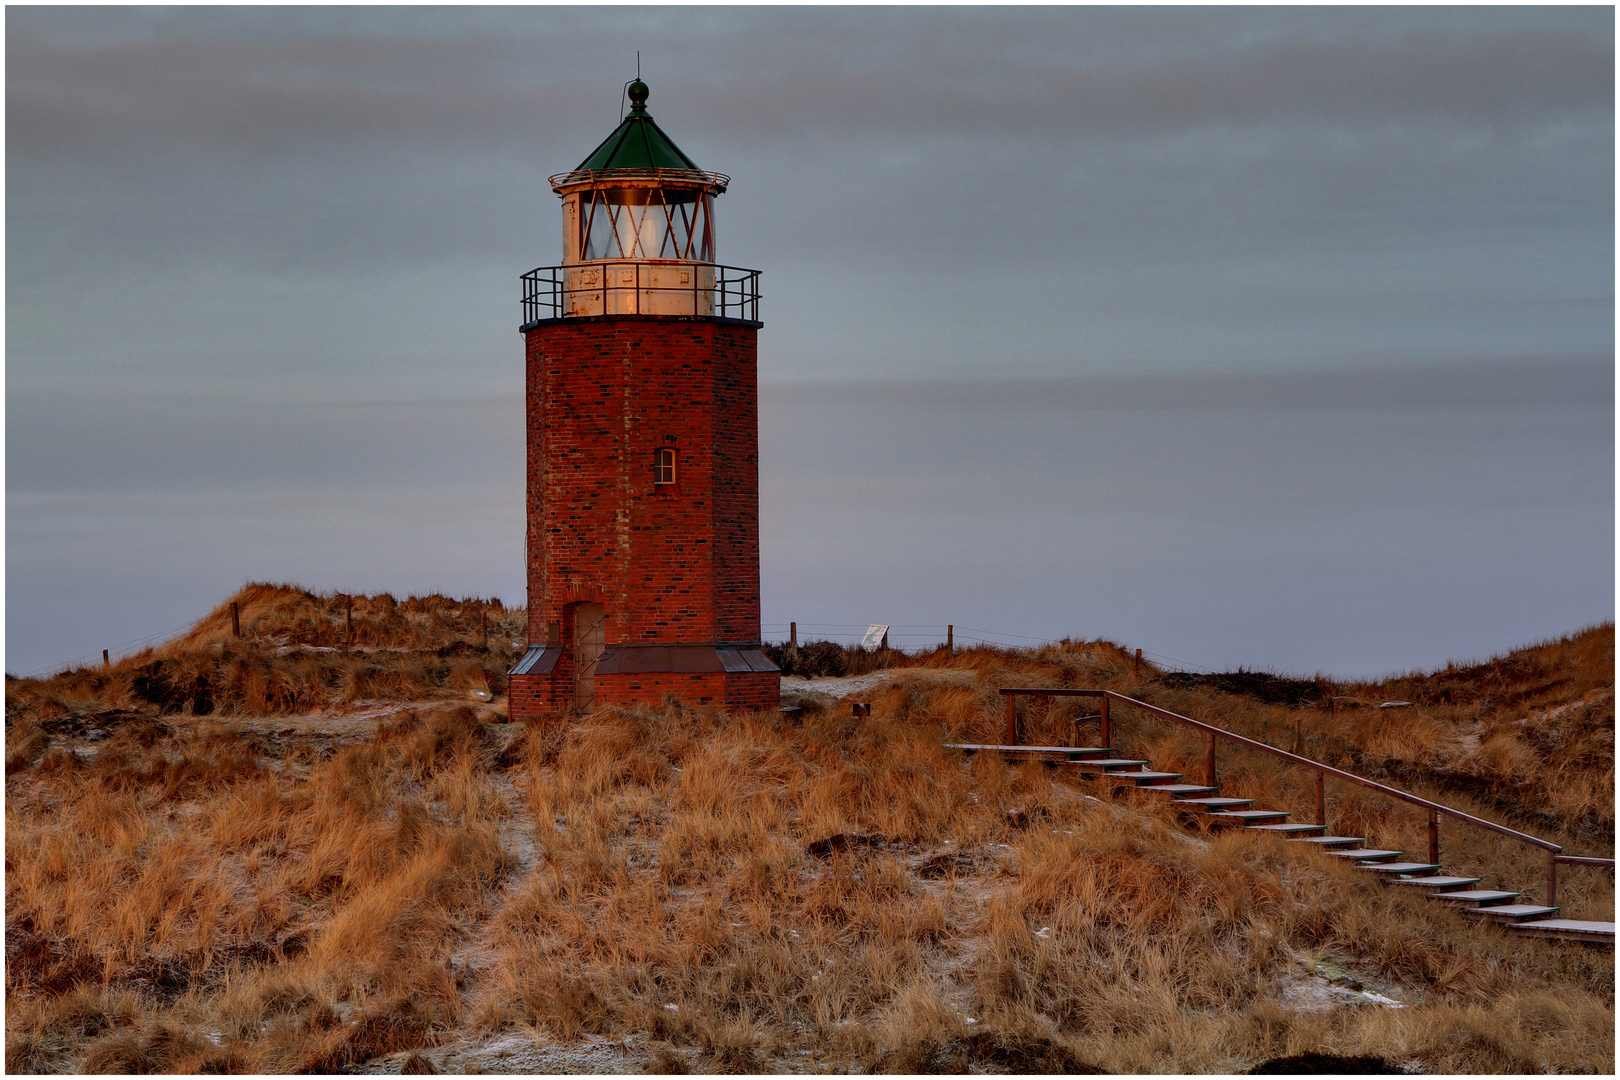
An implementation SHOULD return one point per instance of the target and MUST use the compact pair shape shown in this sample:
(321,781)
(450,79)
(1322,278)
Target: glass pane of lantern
(643,223)
(692,219)
(594,222)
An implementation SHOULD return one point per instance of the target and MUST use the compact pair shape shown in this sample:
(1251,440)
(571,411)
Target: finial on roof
(638,96)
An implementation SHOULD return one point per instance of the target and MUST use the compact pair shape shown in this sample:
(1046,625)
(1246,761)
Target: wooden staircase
(1202,804)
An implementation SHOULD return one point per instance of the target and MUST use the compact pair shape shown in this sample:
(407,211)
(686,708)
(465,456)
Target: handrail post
(1321,801)
(1107,726)
(1434,836)
(1209,759)
(1552,879)
(1012,720)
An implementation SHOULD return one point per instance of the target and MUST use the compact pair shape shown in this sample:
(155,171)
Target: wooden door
(590,634)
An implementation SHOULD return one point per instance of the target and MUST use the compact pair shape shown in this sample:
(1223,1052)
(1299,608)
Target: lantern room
(638,226)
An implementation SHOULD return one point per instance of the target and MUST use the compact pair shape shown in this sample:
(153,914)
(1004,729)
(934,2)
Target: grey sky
(271,254)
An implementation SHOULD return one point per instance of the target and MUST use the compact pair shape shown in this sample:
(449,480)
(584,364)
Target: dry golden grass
(743,892)
(293,657)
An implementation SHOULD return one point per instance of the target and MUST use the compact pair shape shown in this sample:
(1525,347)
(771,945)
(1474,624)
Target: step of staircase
(1327,842)
(1108,765)
(1568,929)
(1147,778)
(1476,897)
(1071,752)
(1438,882)
(1142,778)
(1400,867)
(1289,828)
(1214,802)
(1244,817)
(1512,913)
(1185,789)
(1367,854)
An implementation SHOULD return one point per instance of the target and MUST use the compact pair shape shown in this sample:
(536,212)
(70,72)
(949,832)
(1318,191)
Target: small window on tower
(664,466)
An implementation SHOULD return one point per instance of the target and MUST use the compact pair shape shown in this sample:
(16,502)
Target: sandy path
(842,686)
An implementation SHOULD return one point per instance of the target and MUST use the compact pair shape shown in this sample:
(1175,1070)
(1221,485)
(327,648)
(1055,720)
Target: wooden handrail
(1296,759)
(1554,851)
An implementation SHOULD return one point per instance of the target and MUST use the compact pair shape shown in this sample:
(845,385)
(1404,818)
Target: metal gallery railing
(1436,810)
(717,182)
(632,287)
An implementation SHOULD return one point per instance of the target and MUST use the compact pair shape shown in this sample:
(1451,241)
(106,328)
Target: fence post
(236,620)
(106,661)
(1136,665)
(1552,879)
(1209,759)
(1434,836)
(1107,726)
(1012,720)
(950,638)
(1321,802)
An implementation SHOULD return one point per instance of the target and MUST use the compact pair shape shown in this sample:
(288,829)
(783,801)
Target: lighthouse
(642,428)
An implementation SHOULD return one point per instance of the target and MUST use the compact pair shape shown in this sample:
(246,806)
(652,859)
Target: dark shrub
(814,659)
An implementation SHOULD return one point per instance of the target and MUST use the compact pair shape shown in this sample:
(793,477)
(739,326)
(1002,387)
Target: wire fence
(924,635)
(901,636)
(114,653)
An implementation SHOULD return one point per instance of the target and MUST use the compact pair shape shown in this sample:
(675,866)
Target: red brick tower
(643,443)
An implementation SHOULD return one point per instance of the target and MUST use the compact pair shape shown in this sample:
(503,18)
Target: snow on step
(1147,778)
(1441,882)
(1144,778)
(1067,751)
(1244,815)
(1400,867)
(1575,929)
(1512,912)
(1481,897)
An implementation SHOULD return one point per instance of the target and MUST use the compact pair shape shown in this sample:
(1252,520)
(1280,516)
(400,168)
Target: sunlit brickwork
(671,563)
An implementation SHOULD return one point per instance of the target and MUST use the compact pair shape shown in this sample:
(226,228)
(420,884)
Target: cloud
(1487,78)
(324,189)
(242,94)
(777,76)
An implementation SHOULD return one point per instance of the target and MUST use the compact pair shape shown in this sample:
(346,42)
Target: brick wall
(527,696)
(671,564)
(531,695)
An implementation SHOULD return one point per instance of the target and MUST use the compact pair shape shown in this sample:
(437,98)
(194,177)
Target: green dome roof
(637,143)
